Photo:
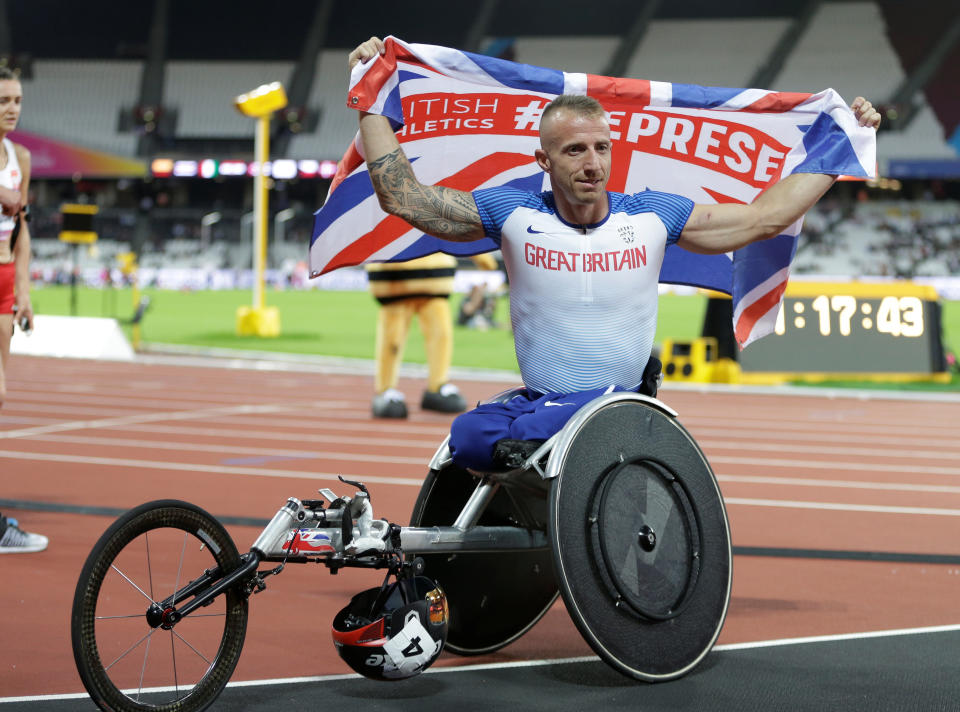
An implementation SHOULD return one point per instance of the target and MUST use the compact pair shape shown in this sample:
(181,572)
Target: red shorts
(8,273)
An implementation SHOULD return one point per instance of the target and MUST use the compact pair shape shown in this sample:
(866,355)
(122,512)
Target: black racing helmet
(395,631)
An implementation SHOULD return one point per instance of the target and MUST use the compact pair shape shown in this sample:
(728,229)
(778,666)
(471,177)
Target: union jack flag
(311,541)
(469,121)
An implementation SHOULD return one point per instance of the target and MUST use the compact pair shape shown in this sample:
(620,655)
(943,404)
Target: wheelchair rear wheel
(495,597)
(640,539)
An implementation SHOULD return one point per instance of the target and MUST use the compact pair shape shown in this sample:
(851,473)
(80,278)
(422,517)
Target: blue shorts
(526,416)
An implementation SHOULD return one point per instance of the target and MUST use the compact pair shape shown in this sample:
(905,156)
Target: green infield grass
(342,324)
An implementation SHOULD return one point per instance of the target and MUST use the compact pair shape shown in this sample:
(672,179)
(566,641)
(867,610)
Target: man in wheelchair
(583,263)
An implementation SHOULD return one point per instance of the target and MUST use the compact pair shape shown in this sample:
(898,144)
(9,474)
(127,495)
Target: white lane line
(310,422)
(160,400)
(127,399)
(441,670)
(747,438)
(309,426)
(345,420)
(870,395)
(214,469)
(268,453)
(245,433)
(795,464)
(728,439)
(818,449)
(425,445)
(840,637)
(235,450)
(837,506)
(142,418)
(418,481)
(774,424)
(851,484)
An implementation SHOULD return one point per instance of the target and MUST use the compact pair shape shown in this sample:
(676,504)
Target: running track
(844,508)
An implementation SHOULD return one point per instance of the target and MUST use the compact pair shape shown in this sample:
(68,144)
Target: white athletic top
(10,177)
(583,298)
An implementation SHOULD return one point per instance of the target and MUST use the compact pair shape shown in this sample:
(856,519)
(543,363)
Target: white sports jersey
(10,177)
(583,298)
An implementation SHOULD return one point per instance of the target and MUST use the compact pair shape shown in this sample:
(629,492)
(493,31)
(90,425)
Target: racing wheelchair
(619,513)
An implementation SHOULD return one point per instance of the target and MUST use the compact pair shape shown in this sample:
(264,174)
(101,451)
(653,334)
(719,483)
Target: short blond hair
(577,103)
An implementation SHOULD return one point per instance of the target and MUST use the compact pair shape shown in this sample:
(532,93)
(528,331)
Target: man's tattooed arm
(442,212)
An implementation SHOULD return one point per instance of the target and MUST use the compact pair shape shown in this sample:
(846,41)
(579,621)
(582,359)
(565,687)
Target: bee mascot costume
(422,287)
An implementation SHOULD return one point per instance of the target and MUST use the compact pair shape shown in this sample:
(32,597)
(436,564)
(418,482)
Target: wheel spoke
(107,618)
(143,668)
(176,586)
(127,579)
(128,650)
(149,565)
(173,655)
(185,642)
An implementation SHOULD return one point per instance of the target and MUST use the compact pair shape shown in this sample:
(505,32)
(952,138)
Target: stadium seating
(881,238)
(568,54)
(79,102)
(736,48)
(846,46)
(202,93)
(338,124)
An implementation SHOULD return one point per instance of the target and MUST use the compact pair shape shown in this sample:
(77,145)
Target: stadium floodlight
(260,104)
(262,101)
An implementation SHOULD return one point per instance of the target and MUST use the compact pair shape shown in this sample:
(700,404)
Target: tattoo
(443,212)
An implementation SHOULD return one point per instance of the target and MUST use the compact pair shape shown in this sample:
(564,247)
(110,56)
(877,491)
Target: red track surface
(801,472)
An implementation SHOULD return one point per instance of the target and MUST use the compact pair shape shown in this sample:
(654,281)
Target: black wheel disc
(646,539)
(494,597)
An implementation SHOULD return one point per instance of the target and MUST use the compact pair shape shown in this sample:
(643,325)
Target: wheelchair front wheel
(129,663)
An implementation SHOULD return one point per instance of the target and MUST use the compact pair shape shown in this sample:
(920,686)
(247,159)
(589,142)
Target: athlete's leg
(550,413)
(474,434)
(6,331)
(437,327)
(393,322)
(7,275)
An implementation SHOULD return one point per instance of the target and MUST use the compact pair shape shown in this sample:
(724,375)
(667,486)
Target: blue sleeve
(496,204)
(673,210)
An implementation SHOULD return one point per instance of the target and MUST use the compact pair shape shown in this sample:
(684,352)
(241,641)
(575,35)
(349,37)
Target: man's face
(575,152)
(11,95)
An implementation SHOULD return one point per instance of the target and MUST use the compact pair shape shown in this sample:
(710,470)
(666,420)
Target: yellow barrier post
(260,104)
(77,229)
(128,268)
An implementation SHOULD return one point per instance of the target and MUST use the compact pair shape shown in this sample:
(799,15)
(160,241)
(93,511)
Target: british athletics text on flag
(468,121)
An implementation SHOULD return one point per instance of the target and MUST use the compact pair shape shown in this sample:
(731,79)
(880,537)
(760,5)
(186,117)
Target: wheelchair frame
(352,537)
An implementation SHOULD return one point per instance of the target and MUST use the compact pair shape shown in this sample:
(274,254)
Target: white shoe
(17,541)
(389,404)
